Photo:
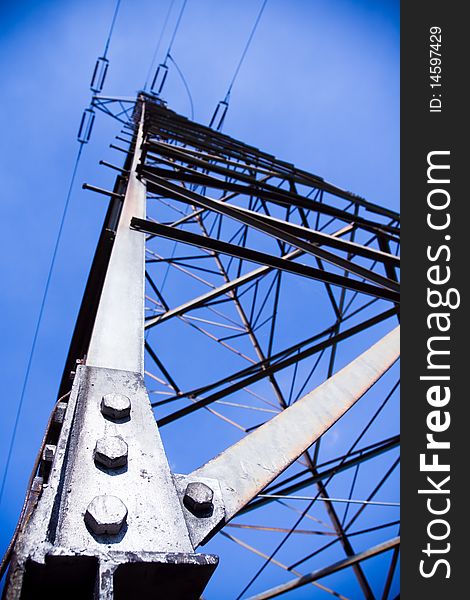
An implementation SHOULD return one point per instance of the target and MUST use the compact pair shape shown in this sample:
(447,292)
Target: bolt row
(107,514)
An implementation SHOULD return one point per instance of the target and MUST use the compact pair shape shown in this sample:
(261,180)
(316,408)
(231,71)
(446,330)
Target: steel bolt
(106,514)
(198,498)
(116,406)
(48,453)
(111,452)
(59,413)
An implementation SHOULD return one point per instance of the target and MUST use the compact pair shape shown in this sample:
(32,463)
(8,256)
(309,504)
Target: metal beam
(251,255)
(322,475)
(117,341)
(272,365)
(274,194)
(281,230)
(303,232)
(108,505)
(227,287)
(251,464)
(208,137)
(334,568)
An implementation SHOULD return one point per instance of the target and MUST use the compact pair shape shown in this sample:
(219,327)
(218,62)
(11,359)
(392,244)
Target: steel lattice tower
(227,287)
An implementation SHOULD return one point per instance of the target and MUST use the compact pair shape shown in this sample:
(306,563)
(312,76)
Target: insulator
(219,114)
(86,125)
(99,74)
(159,79)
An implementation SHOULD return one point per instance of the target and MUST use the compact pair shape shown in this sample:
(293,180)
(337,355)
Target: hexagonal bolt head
(59,413)
(111,452)
(198,498)
(106,515)
(116,406)
(48,453)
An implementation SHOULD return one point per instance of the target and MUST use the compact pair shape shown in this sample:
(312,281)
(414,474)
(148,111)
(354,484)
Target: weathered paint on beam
(117,341)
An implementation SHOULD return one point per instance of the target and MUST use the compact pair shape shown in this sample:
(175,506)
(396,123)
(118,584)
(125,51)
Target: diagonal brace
(248,466)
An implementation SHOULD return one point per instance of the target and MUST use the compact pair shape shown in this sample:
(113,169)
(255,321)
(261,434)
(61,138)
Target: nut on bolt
(116,406)
(198,498)
(106,515)
(59,413)
(48,453)
(111,452)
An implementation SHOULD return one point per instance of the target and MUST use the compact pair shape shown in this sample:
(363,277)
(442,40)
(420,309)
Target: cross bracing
(262,283)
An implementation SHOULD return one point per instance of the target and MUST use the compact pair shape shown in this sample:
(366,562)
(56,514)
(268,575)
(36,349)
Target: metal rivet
(198,498)
(106,515)
(116,406)
(111,452)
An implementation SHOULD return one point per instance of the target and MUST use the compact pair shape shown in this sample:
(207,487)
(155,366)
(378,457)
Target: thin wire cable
(38,323)
(345,500)
(48,281)
(245,50)
(157,47)
(170,45)
(225,102)
(116,10)
(185,85)
(23,518)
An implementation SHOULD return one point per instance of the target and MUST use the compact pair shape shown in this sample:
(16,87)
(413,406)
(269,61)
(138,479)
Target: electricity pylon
(246,239)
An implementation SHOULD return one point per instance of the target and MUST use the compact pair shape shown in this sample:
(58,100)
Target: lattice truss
(262,281)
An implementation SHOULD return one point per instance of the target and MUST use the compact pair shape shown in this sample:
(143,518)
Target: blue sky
(319,87)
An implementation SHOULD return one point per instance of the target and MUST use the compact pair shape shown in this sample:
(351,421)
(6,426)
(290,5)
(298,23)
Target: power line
(176,29)
(180,73)
(222,106)
(245,50)
(38,323)
(157,47)
(116,10)
(102,63)
(86,125)
(162,70)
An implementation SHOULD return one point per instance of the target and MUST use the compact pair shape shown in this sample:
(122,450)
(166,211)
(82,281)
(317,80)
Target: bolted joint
(198,499)
(106,515)
(111,452)
(48,453)
(59,413)
(116,406)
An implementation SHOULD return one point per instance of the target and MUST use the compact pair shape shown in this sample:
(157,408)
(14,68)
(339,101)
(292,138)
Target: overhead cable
(162,70)
(157,47)
(220,112)
(180,73)
(38,324)
(97,83)
(85,128)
